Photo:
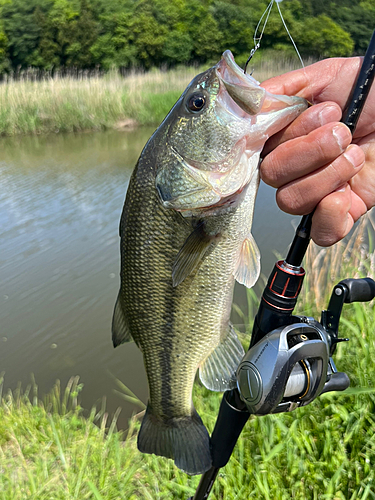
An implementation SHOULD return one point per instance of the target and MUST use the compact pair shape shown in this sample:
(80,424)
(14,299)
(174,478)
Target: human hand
(312,162)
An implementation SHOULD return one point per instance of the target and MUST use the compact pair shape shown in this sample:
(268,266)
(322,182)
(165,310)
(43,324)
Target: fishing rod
(289,362)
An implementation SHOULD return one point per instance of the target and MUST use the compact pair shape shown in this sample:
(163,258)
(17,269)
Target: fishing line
(257,41)
(290,36)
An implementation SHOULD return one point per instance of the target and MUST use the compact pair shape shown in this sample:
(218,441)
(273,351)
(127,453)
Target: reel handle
(339,381)
(359,290)
(345,292)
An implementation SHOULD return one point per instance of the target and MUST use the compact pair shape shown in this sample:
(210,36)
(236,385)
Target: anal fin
(248,264)
(218,371)
(120,329)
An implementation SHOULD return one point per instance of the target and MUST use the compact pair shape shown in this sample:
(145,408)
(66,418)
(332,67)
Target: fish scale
(185,238)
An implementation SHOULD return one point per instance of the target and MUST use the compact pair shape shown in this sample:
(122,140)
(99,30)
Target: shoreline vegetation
(326,450)
(89,102)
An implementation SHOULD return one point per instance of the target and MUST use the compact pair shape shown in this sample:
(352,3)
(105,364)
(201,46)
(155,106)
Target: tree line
(85,34)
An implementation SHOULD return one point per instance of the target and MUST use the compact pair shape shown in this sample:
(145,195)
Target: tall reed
(352,257)
(71,103)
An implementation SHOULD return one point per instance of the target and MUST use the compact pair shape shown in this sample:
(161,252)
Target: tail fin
(184,439)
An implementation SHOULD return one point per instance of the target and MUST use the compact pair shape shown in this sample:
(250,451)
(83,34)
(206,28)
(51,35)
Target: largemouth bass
(185,238)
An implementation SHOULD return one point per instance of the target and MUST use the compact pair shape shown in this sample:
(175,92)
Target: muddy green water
(61,198)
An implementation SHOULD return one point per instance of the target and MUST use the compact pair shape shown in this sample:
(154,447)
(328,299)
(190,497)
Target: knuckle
(340,170)
(331,222)
(326,239)
(330,141)
(271,170)
(321,149)
(327,149)
(291,200)
(326,236)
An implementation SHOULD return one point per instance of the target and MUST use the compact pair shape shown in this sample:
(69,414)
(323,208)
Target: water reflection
(60,202)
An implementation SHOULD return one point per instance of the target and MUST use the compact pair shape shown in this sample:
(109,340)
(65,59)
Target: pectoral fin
(248,264)
(218,371)
(120,329)
(191,254)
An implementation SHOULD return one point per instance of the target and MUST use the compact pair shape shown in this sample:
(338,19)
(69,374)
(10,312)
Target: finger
(332,220)
(302,195)
(327,80)
(335,215)
(299,157)
(364,183)
(311,119)
(358,206)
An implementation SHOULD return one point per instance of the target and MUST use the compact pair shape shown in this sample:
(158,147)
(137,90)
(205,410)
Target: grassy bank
(68,104)
(323,451)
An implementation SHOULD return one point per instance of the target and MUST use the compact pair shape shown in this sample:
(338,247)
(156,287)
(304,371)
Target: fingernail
(342,135)
(355,155)
(329,114)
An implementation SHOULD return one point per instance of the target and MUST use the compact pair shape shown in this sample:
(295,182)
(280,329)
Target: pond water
(61,198)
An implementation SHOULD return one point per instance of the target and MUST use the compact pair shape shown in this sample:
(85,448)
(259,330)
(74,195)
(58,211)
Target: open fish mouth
(245,91)
(242,88)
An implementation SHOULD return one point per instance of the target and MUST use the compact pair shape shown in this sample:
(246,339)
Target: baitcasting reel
(292,365)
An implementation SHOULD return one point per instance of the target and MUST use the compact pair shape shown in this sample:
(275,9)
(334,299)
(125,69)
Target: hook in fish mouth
(246,91)
(242,88)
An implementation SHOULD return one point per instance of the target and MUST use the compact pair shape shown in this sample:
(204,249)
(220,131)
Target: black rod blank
(362,88)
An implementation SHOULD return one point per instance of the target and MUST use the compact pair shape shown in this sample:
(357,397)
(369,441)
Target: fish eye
(196,102)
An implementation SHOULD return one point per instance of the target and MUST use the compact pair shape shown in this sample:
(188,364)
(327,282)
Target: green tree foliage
(144,33)
(177,47)
(235,24)
(321,37)
(355,17)
(21,29)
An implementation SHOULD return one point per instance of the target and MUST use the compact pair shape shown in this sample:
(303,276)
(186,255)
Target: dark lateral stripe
(168,329)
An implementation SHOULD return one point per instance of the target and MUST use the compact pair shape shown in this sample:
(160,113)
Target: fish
(186,238)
